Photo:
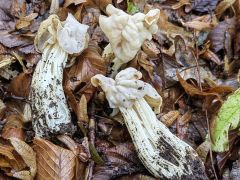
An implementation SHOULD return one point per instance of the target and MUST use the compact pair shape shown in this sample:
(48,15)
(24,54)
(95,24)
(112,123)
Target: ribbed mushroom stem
(161,152)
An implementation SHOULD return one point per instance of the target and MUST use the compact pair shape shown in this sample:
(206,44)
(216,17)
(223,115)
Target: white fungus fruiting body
(126,33)
(55,39)
(161,152)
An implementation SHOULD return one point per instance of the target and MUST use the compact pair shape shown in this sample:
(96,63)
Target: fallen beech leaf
(209,55)
(169,118)
(53,162)
(183,53)
(222,6)
(16,163)
(80,150)
(101,4)
(75,2)
(27,153)
(203,150)
(4,162)
(20,85)
(217,35)
(10,41)
(83,114)
(150,48)
(180,4)
(190,73)
(191,90)
(203,5)
(183,124)
(6,60)
(88,64)
(121,160)
(24,22)
(24,175)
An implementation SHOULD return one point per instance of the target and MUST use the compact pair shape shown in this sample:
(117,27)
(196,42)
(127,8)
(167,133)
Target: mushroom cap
(71,36)
(126,89)
(126,33)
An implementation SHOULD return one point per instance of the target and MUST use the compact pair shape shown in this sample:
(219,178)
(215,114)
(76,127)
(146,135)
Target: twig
(91,138)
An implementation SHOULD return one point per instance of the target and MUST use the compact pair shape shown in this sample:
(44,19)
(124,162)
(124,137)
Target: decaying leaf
(83,113)
(203,150)
(121,160)
(217,35)
(13,127)
(54,161)
(222,6)
(20,85)
(227,119)
(26,153)
(169,118)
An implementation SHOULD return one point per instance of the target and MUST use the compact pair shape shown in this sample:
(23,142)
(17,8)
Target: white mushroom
(126,33)
(161,152)
(55,39)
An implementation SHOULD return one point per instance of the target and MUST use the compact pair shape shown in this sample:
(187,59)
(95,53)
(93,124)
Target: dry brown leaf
(223,6)
(20,85)
(217,36)
(80,150)
(202,5)
(27,153)
(24,175)
(6,60)
(121,160)
(203,150)
(180,4)
(83,113)
(24,22)
(169,118)
(4,162)
(183,124)
(16,163)
(88,64)
(150,48)
(101,4)
(75,2)
(54,162)
(191,90)
(209,55)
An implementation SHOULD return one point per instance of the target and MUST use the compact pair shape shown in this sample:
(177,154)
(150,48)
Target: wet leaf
(54,161)
(227,119)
